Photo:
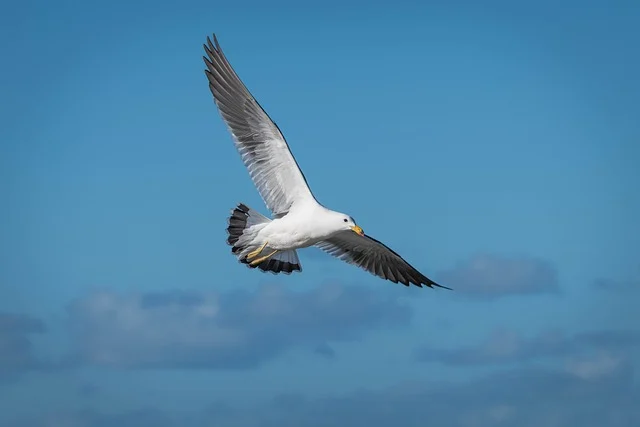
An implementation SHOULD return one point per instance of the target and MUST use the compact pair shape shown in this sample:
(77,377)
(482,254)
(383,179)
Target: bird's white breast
(300,228)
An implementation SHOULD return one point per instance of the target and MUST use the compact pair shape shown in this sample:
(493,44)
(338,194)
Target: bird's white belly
(285,234)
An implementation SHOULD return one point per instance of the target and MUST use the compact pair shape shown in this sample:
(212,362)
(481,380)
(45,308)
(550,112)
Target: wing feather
(375,257)
(258,139)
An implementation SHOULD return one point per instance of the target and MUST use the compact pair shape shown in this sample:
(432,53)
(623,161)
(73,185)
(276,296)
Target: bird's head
(344,222)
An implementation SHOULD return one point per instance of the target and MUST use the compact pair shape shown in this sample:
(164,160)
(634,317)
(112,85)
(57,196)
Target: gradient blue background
(495,145)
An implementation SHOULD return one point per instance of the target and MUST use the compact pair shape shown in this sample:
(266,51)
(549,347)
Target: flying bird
(298,220)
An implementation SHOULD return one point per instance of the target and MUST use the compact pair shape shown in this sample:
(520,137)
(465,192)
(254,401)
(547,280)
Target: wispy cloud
(143,417)
(325,350)
(492,276)
(16,348)
(211,330)
(523,398)
(595,366)
(619,286)
(507,346)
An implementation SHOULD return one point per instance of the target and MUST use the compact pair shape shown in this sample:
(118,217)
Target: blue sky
(494,146)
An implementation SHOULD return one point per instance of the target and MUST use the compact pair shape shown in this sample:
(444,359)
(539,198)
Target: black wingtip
(428,283)
(432,284)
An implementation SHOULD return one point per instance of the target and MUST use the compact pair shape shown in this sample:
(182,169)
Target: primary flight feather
(299,221)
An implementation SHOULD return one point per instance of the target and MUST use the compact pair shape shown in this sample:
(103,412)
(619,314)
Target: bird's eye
(345,220)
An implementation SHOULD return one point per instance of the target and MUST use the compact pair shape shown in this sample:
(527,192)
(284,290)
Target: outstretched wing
(373,256)
(264,151)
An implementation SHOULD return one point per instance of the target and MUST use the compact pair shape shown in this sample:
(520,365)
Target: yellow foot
(255,253)
(259,260)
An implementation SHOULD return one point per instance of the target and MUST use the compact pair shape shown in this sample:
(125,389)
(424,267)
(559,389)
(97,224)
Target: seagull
(298,219)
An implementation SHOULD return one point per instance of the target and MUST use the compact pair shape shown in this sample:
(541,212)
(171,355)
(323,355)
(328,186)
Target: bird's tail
(242,219)
(244,224)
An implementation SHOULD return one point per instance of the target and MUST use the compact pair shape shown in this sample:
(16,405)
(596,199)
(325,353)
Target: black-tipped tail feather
(243,217)
(237,224)
(274,266)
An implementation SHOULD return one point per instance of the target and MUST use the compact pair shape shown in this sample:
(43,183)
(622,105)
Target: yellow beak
(358,230)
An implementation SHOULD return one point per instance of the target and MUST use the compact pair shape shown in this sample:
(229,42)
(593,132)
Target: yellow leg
(259,260)
(256,252)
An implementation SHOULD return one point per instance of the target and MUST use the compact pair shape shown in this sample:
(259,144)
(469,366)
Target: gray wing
(264,151)
(375,257)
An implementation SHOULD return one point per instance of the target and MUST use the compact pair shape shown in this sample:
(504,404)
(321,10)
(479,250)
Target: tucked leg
(266,257)
(255,253)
